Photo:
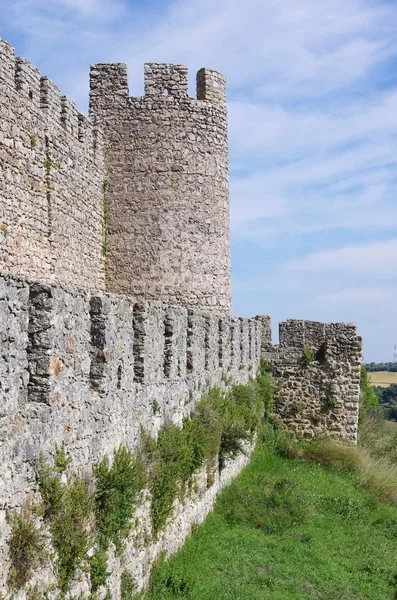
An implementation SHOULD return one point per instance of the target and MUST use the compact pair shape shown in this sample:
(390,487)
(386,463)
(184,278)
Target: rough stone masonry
(115,290)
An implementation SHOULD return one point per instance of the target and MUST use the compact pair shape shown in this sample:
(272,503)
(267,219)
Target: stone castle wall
(51,175)
(147,210)
(167,166)
(320,395)
(88,370)
(141,209)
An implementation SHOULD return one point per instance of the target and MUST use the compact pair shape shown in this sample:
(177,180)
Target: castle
(115,287)
(133,200)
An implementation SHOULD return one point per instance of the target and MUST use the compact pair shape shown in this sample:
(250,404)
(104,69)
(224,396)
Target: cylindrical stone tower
(167,191)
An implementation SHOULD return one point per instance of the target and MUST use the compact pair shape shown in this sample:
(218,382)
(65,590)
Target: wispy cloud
(376,258)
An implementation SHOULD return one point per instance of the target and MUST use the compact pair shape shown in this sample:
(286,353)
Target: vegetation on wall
(368,398)
(308,356)
(67,508)
(117,489)
(218,428)
(26,547)
(89,515)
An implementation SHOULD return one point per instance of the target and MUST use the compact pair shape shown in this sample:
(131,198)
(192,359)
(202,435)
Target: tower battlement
(168,196)
(133,198)
(161,81)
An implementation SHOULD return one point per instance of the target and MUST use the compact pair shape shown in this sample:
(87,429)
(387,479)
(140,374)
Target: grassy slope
(287,530)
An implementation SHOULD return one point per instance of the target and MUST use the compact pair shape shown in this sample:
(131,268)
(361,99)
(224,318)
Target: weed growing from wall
(26,547)
(79,519)
(156,407)
(308,356)
(266,388)
(117,490)
(127,586)
(68,509)
(62,461)
(48,165)
(332,401)
(116,494)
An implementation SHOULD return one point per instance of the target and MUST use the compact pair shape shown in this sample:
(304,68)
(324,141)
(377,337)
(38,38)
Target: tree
(368,396)
(390,394)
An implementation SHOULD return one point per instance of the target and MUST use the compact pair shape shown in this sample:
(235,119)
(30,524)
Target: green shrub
(265,387)
(99,568)
(68,510)
(51,490)
(179,453)
(127,586)
(368,398)
(308,356)
(62,461)
(277,441)
(332,401)
(117,490)
(26,547)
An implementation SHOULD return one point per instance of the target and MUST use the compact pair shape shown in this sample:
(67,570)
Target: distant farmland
(383,378)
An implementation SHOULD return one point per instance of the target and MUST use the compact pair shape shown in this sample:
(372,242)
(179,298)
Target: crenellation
(7,63)
(51,181)
(211,86)
(244,341)
(70,117)
(27,81)
(50,98)
(108,87)
(166,80)
(168,192)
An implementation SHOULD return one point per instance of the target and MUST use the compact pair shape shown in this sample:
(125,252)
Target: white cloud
(367,296)
(375,259)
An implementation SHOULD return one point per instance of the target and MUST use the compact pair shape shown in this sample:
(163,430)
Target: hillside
(290,529)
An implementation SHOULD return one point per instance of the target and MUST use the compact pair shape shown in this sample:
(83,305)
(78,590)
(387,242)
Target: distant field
(383,378)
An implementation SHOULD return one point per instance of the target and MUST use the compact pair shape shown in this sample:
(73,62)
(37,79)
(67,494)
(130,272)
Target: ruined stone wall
(88,370)
(316,367)
(167,167)
(51,199)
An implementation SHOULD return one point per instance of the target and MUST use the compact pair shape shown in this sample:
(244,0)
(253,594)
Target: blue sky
(313,134)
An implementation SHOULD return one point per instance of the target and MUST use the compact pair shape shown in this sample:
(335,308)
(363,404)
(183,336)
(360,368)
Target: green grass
(287,529)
